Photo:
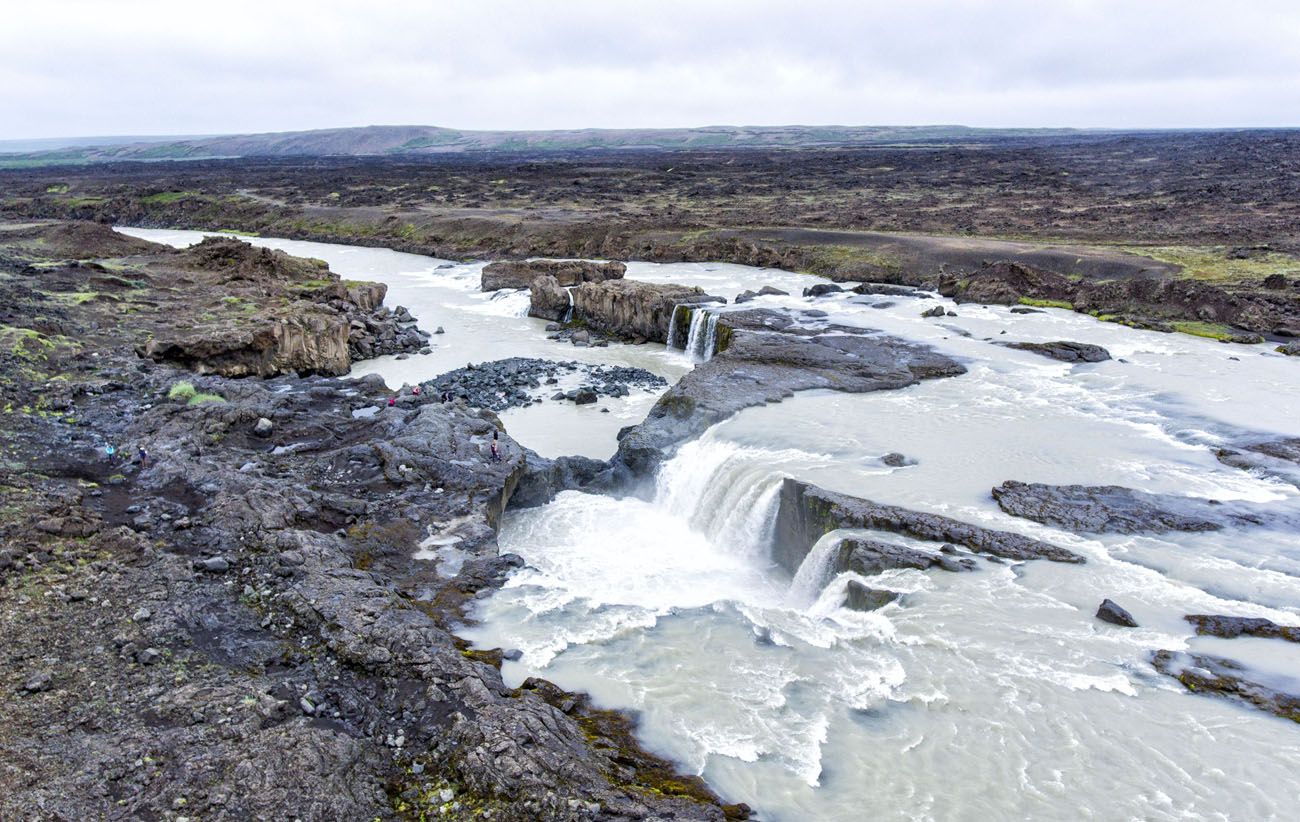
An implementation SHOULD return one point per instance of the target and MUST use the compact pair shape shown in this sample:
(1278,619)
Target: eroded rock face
(309,342)
(1065,351)
(806,512)
(628,308)
(1005,283)
(520,274)
(1112,509)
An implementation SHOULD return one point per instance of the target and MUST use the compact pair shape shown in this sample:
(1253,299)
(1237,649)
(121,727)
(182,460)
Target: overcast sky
(108,67)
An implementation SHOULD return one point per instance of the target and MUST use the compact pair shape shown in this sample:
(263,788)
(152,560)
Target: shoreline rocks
(521,381)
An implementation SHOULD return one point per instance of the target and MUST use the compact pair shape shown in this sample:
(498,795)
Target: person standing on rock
(144,458)
(496,454)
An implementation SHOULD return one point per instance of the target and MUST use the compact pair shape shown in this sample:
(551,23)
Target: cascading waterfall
(710,337)
(702,336)
(568,315)
(726,491)
(816,569)
(672,327)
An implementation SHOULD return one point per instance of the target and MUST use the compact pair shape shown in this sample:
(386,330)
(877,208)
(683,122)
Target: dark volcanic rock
(1005,283)
(520,274)
(1065,351)
(1115,615)
(822,289)
(806,512)
(1113,509)
(859,597)
(520,381)
(1230,627)
(1204,674)
(1291,349)
(887,289)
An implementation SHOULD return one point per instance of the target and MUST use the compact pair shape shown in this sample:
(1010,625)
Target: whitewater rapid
(986,695)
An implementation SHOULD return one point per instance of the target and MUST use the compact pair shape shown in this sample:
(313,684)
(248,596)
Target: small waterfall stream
(702,336)
(568,315)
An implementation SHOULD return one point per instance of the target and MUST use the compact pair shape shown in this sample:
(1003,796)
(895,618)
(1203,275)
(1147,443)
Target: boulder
(937,311)
(1115,615)
(1064,351)
(264,427)
(548,299)
(1291,349)
(822,289)
(859,597)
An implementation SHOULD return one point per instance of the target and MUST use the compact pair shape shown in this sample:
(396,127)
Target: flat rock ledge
(806,512)
(1113,509)
(1216,676)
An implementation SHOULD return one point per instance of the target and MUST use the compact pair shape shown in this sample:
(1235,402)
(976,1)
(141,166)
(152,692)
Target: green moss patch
(1037,303)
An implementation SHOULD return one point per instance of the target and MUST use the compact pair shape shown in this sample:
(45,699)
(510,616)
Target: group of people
(416,390)
(141,455)
(447,397)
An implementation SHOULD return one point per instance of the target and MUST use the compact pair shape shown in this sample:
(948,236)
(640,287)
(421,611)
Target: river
(989,695)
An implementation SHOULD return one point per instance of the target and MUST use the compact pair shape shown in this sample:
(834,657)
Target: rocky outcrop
(805,513)
(1205,674)
(1291,349)
(1115,615)
(548,299)
(1072,352)
(628,308)
(1005,283)
(1230,627)
(1112,509)
(308,342)
(520,274)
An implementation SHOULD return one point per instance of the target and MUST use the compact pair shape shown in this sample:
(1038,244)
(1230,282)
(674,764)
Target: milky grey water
(990,695)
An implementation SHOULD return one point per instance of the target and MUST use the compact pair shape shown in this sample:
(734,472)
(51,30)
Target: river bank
(211,592)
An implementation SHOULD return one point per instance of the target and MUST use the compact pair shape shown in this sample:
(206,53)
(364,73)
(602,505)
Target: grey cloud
(137,66)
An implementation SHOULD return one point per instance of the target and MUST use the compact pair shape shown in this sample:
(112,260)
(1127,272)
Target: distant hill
(423,140)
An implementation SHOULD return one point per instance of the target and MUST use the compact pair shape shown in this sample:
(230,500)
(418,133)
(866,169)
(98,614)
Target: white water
(989,695)
(986,695)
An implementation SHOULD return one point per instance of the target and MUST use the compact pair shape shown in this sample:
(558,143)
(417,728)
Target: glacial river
(989,695)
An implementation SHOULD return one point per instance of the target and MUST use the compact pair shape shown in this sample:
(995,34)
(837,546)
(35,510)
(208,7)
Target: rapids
(988,695)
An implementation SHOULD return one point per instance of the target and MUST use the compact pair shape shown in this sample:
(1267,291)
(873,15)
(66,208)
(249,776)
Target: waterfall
(816,569)
(698,334)
(725,491)
(710,337)
(672,327)
(568,315)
